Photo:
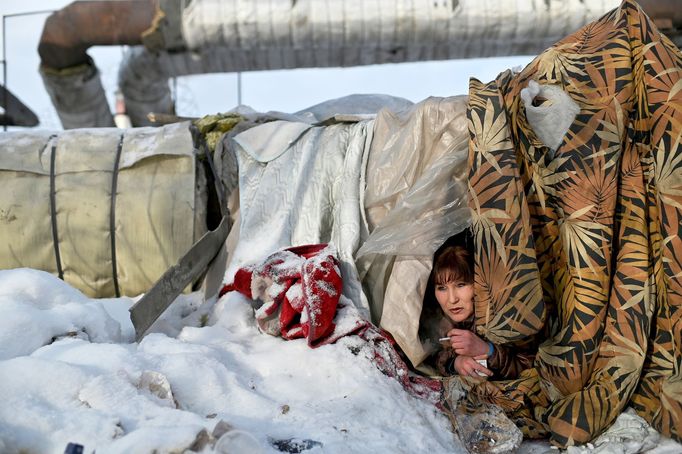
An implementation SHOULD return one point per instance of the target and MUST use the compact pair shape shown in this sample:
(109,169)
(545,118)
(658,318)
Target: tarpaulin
(107,210)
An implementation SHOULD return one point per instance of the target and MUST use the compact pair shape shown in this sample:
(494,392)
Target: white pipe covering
(244,35)
(78,97)
(274,34)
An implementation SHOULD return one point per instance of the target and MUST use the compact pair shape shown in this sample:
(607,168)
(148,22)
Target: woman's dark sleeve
(444,361)
(507,361)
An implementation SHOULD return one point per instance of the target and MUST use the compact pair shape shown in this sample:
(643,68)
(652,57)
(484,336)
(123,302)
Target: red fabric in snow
(309,309)
(299,286)
(390,363)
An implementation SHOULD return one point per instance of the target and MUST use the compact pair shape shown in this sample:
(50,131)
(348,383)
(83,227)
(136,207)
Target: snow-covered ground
(70,371)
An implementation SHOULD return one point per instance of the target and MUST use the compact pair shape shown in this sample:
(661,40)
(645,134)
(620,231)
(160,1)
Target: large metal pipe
(70,76)
(242,35)
(69,32)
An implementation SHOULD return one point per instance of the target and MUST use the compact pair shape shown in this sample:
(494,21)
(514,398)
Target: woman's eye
(440,288)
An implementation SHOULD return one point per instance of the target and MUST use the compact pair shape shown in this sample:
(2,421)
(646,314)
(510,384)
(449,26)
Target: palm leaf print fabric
(580,248)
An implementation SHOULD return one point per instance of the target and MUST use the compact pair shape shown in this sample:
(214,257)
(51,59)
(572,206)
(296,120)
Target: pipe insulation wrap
(143,78)
(356,32)
(108,210)
(242,35)
(245,35)
(78,96)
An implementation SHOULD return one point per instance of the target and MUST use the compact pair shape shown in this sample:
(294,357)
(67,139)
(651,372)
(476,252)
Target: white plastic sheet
(416,194)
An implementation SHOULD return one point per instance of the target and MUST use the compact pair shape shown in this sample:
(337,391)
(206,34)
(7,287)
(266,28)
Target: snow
(36,309)
(107,393)
(71,372)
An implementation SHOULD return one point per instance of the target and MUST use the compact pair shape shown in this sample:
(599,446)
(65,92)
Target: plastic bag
(482,427)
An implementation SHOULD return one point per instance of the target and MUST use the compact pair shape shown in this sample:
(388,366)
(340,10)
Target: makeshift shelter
(573,187)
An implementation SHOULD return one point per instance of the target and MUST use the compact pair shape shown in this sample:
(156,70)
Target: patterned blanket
(579,245)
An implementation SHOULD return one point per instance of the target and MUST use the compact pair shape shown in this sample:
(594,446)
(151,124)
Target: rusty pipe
(69,32)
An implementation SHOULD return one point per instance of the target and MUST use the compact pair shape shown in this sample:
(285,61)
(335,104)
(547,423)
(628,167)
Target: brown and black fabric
(581,248)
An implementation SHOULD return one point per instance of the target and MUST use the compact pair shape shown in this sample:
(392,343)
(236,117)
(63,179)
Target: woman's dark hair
(454,263)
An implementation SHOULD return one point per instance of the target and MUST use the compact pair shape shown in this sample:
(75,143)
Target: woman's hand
(464,342)
(468,366)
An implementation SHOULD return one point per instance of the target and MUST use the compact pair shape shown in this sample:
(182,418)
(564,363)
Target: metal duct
(243,35)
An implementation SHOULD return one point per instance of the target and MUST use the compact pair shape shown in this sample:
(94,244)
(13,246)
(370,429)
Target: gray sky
(285,90)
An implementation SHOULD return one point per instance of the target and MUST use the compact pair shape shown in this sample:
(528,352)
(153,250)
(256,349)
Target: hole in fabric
(550,111)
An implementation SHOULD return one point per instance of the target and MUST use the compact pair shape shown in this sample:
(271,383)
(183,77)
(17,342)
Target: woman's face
(456,298)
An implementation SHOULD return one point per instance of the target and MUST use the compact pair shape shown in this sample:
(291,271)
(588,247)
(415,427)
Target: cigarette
(443,339)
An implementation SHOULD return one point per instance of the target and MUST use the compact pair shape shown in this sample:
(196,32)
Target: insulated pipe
(243,35)
(69,74)
(69,32)
(246,35)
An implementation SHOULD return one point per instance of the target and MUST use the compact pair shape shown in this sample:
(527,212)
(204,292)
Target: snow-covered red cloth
(387,359)
(300,291)
(299,288)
